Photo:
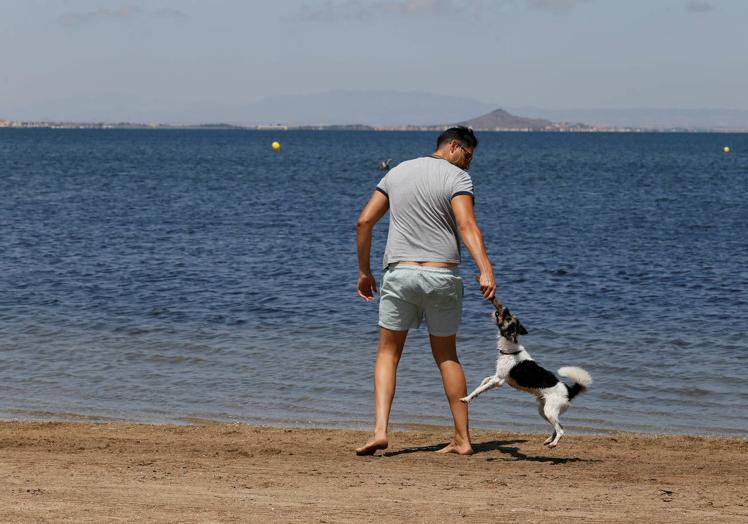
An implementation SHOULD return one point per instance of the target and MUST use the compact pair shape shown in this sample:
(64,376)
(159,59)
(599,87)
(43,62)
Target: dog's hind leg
(541,412)
(486,384)
(551,411)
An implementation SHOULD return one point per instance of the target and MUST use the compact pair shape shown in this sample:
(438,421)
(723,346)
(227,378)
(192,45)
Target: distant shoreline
(353,424)
(431,129)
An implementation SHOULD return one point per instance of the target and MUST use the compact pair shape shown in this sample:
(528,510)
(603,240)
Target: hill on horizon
(500,119)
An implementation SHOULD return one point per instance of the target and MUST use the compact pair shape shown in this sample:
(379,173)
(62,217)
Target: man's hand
(374,210)
(487,285)
(367,286)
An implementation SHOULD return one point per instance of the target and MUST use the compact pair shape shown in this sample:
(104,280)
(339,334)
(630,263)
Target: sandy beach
(71,472)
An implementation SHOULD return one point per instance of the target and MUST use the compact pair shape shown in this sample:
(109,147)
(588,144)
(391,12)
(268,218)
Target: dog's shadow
(504,446)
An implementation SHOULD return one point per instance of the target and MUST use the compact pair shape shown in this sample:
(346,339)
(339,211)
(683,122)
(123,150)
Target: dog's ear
(521,330)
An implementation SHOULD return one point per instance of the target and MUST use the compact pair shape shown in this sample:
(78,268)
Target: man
(430,200)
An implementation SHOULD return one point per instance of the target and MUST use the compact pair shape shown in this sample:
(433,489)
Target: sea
(185,276)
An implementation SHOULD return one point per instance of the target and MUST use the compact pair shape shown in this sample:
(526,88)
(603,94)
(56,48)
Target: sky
(555,54)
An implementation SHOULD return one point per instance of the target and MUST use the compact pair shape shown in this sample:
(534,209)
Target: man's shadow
(493,445)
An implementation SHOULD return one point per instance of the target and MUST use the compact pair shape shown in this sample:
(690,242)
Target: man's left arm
(374,210)
(462,206)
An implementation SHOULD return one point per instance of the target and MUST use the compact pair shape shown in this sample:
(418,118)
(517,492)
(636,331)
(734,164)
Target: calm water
(180,275)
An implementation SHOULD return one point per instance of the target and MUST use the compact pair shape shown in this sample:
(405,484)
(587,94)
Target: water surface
(168,276)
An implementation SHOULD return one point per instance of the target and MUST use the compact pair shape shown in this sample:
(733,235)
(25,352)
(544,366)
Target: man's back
(422,222)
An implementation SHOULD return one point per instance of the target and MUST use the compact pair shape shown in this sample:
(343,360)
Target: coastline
(363,424)
(135,126)
(79,471)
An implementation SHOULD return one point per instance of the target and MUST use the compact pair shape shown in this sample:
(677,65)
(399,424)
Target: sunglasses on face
(468,154)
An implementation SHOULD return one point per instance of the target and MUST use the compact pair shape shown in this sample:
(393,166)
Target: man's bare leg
(391,344)
(444,350)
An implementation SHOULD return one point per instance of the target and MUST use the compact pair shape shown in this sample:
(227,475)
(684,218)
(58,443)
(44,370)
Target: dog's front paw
(465,400)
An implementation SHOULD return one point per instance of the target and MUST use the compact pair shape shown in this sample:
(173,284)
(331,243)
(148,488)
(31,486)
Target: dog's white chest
(504,365)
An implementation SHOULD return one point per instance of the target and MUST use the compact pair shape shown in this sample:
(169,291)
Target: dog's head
(509,326)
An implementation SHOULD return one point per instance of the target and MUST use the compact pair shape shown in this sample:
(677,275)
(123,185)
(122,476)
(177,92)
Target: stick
(503,311)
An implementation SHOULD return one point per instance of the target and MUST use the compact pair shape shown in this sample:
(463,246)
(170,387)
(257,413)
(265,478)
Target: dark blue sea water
(181,275)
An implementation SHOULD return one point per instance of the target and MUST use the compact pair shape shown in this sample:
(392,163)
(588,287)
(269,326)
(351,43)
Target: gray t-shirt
(422,224)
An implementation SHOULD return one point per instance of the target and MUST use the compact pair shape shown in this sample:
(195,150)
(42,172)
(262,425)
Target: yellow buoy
(726,149)
(276,146)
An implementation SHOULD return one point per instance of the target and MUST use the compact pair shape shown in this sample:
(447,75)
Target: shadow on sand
(478,447)
(503,446)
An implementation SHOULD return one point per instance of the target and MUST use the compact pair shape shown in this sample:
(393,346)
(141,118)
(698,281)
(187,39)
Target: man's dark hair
(464,135)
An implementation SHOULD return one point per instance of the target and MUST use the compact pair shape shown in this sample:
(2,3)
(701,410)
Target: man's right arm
(462,206)
(374,210)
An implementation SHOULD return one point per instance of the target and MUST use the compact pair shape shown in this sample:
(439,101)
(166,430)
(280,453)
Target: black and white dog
(516,367)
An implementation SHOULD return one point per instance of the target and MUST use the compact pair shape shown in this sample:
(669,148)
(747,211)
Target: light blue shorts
(410,293)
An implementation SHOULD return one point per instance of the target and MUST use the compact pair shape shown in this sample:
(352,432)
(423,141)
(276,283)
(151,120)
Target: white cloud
(330,10)
(361,10)
(126,12)
(419,7)
(77,19)
(556,6)
(698,6)
(168,12)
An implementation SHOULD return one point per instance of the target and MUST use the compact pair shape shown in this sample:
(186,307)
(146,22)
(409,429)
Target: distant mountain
(501,120)
(648,118)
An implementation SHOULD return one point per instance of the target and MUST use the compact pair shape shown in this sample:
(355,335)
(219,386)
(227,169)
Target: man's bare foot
(459,449)
(372,446)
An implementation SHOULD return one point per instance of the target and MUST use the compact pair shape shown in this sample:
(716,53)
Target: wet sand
(70,472)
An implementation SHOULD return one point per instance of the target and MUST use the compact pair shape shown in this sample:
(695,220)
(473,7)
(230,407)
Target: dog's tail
(582,380)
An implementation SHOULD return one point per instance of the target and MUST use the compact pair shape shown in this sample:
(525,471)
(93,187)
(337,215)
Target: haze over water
(168,276)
